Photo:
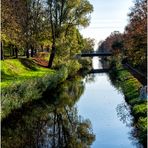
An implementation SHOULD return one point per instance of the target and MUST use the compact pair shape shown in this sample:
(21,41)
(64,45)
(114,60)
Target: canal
(80,113)
(108,112)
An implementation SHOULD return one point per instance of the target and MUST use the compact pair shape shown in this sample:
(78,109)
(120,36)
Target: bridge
(92,54)
(99,70)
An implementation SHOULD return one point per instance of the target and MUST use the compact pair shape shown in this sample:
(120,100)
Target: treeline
(29,26)
(132,44)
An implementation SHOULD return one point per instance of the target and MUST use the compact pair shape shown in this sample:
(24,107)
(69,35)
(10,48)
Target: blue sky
(108,16)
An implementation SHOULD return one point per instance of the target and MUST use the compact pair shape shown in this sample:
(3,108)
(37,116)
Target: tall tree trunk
(27,53)
(13,51)
(27,50)
(32,49)
(42,48)
(2,51)
(16,52)
(10,52)
(35,51)
(24,53)
(10,49)
(48,48)
(53,30)
(52,55)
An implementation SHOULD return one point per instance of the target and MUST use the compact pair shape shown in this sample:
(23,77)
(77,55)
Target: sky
(108,16)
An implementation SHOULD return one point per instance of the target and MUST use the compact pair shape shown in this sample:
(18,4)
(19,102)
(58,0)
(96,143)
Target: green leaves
(135,40)
(130,87)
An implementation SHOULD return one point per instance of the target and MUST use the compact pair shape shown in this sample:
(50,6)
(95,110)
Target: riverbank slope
(24,81)
(130,87)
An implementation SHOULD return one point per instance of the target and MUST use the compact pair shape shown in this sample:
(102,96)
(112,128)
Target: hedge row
(130,87)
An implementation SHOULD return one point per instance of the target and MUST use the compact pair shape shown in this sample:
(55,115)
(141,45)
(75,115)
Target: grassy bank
(130,87)
(24,81)
(20,70)
(42,114)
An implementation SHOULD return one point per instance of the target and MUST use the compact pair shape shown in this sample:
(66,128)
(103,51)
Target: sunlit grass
(130,87)
(19,70)
(29,87)
(24,81)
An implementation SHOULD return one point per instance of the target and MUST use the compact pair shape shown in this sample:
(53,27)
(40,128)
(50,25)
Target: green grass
(19,70)
(23,81)
(130,87)
(140,110)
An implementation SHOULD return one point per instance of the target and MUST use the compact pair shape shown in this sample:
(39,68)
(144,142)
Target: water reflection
(50,123)
(54,121)
(123,112)
(123,109)
(104,63)
(90,78)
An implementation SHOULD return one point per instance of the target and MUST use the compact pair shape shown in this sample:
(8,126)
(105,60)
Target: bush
(16,95)
(142,130)
(140,110)
(130,87)
(86,63)
(73,67)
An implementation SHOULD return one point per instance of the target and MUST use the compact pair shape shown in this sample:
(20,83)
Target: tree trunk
(35,51)
(27,50)
(32,49)
(10,47)
(52,55)
(27,53)
(24,53)
(42,48)
(2,51)
(13,51)
(16,52)
(48,49)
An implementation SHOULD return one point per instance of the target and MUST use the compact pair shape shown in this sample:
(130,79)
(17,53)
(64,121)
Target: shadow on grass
(5,77)
(28,64)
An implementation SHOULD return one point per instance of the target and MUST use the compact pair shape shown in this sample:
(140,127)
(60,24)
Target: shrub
(16,95)
(73,67)
(130,87)
(140,110)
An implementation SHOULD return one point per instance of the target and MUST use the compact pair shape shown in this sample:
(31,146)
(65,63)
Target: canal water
(80,113)
(108,112)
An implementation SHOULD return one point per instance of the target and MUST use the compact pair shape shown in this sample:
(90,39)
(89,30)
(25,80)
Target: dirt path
(136,74)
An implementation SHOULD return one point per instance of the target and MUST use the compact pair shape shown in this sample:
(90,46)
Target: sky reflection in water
(67,115)
(99,103)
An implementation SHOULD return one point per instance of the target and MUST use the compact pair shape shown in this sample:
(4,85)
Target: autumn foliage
(132,44)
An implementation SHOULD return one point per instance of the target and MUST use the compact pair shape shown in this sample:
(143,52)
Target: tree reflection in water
(123,112)
(123,109)
(90,78)
(52,122)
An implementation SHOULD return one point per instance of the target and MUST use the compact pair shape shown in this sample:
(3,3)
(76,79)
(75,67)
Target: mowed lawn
(19,70)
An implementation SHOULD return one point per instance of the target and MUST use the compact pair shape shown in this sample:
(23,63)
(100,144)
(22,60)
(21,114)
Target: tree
(11,29)
(33,24)
(135,36)
(112,43)
(64,14)
(88,45)
(23,25)
(117,46)
(2,52)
